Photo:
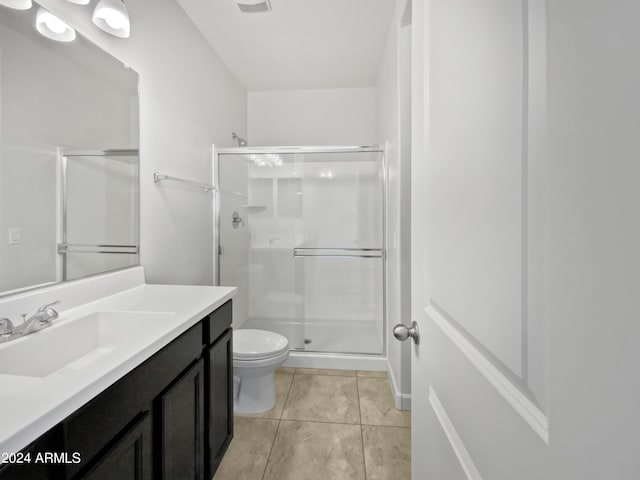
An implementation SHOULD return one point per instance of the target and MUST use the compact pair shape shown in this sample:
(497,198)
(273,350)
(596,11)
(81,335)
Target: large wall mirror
(69,160)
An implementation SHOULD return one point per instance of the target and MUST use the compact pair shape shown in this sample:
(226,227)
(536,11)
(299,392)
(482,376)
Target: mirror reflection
(68,158)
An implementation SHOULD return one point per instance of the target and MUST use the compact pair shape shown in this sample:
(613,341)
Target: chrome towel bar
(157,177)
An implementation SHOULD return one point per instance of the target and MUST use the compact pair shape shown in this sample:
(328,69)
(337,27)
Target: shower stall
(301,233)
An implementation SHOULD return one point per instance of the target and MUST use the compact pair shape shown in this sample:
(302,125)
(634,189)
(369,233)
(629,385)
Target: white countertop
(31,405)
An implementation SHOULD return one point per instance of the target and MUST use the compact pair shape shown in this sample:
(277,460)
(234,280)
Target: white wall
(393,127)
(188,100)
(339,116)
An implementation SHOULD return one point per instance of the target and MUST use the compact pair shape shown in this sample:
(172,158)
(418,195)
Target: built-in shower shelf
(289,298)
(254,207)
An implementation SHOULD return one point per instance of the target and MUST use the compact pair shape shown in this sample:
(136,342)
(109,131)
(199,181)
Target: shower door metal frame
(62,248)
(215,178)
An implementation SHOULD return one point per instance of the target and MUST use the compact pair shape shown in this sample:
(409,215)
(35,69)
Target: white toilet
(256,355)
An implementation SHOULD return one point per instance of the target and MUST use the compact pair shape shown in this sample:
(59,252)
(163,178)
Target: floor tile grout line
(340,423)
(364,458)
(247,416)
(364,455)
(273,442)
(286,398)
(359,404)
(408,427)
(316,421)
(386,426)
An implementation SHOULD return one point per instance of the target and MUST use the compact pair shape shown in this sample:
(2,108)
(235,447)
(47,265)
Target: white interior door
(525,234)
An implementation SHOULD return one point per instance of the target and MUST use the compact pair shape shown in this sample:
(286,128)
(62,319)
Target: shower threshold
(345,337)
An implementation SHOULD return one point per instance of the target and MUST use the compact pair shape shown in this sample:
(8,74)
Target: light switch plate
(15,236)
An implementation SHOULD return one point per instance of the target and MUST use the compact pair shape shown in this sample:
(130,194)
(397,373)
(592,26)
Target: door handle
(402,332)
(236,220)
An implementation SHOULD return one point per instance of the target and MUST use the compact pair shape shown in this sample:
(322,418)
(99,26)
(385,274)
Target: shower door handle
(338,252)
(236,220)
(402,332)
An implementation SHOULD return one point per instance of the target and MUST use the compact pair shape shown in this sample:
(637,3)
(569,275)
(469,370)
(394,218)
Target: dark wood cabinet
(35,470)
(130,458)
(220,372)
(170,418)
(92,428)
(181,425)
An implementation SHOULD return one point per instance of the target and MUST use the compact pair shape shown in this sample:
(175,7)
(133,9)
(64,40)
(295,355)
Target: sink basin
(73,344)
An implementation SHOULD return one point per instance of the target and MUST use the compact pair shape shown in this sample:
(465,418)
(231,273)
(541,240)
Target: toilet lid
(249,344)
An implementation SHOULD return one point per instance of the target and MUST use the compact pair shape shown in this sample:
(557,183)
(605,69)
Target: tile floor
(326,425)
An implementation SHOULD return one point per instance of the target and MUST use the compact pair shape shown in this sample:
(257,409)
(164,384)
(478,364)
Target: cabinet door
(28,464)
(181,422)
(220,398)
(130,458)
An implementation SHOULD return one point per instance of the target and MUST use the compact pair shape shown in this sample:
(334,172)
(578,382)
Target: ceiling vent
(254,6)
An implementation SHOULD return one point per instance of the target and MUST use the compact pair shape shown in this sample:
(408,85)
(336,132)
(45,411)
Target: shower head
(241,141)
(254,6)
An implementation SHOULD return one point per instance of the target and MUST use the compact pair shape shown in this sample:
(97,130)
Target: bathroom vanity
(152,400)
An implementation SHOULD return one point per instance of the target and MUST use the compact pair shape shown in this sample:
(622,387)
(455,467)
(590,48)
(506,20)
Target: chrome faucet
(38,321)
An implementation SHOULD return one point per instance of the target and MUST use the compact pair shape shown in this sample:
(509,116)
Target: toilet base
(255,395)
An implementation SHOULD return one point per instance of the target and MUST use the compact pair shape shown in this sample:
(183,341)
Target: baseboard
(402,400)
(334,360)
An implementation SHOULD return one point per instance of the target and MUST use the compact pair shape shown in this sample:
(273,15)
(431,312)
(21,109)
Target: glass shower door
(301,235)
(258,229)
(340,264)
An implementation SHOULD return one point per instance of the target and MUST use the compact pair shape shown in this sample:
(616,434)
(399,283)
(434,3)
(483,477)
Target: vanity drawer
(93,428)
(217,322)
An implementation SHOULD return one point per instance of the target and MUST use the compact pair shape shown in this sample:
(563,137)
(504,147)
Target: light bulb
(53,23)
(112,17)
(52,27)
(17,4)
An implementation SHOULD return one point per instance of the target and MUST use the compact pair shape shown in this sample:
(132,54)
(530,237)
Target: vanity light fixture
(112,17)
(17,4)
(52,27)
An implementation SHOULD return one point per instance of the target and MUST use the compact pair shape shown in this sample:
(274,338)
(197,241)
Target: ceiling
(300,44)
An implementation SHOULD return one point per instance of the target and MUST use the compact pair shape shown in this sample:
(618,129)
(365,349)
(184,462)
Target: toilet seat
(255,367)
(252,345)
